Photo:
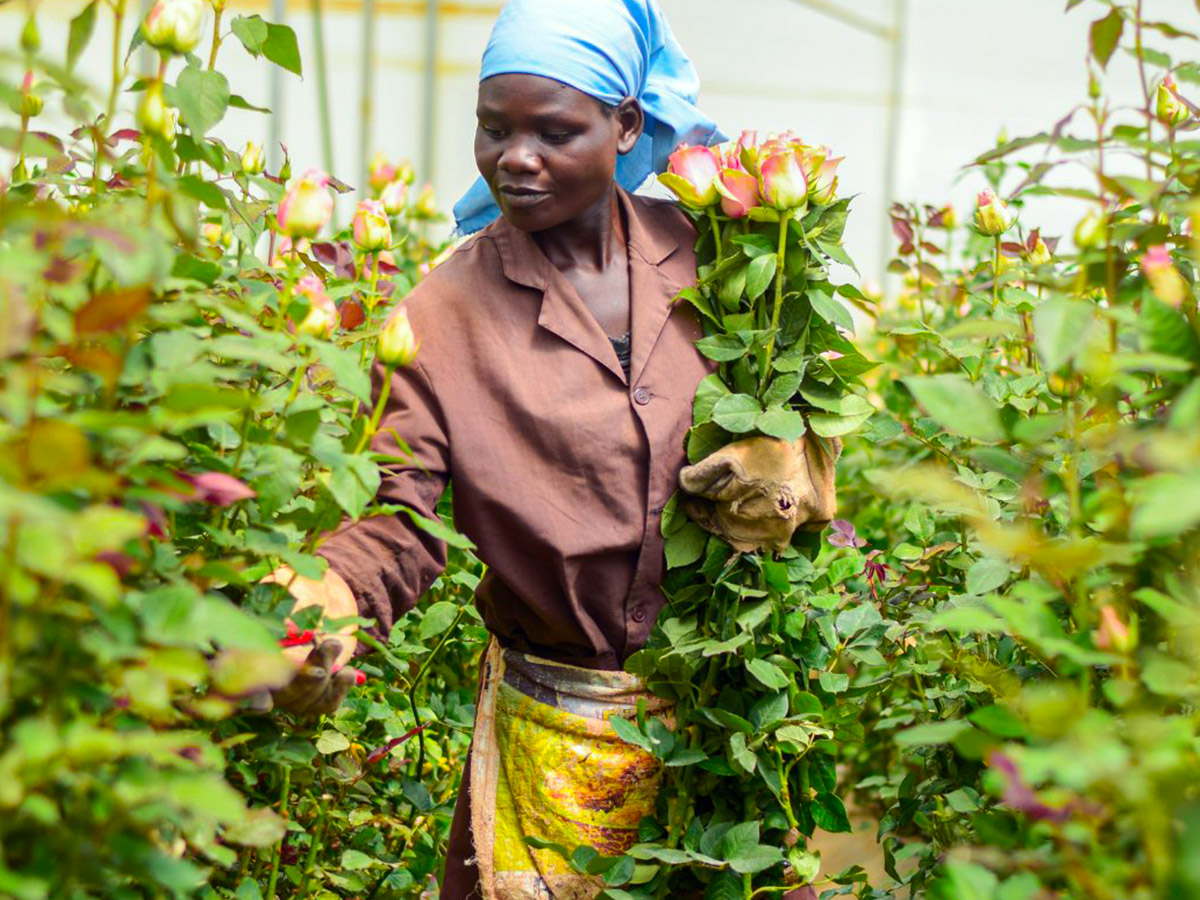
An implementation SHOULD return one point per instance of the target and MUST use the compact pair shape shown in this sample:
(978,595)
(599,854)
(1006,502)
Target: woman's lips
(523,199)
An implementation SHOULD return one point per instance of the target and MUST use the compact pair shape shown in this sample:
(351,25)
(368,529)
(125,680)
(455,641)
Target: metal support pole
(278,116)
(429,93)
(368,90)
(853,19)
(322,85)
(895,103)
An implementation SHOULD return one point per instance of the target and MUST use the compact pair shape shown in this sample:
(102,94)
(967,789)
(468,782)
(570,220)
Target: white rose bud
(174,25)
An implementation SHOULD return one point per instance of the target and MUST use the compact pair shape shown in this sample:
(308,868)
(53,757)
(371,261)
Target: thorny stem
(996,275)
(416,682)
(369,301)
(216,39)
(369,431)
(1141,58)
(779,277)
(716,230)
(284,790)
(311,859)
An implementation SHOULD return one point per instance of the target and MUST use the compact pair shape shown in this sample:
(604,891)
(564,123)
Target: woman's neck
(591,241)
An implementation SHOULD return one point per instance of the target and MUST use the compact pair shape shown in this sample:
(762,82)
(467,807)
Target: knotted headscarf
(609,49)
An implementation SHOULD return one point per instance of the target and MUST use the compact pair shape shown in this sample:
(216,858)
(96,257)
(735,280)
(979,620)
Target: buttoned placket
(564,314)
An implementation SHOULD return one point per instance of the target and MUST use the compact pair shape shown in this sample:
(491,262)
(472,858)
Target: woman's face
(547,150)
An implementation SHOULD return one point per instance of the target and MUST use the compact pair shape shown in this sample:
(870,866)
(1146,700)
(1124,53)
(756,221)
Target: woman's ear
(630,122)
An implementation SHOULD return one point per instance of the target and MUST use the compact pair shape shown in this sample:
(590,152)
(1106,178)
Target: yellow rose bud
(371,228)
(253,159)
(1168,107)
(397,344)
(993,216)
(153,116)
(28,104)
(1089,233)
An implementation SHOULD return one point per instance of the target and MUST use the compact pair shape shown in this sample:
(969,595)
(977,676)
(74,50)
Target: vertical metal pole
(322,85)
(278,117)
(368,89)
(429,92)
(895,111)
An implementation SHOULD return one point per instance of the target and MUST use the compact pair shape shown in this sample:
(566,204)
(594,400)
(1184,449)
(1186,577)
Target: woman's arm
(379,566)
(388,561)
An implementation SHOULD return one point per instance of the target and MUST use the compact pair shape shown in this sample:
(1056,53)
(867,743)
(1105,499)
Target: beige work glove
(322,677)
(755,493)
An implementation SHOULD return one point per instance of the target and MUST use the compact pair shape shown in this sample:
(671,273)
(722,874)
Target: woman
(553,386)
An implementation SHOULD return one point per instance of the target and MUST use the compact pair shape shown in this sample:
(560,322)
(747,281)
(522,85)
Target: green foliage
(169,435)
(994,667)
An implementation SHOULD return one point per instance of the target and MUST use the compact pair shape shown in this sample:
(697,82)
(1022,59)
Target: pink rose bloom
(307,206)
(739,193)
(781,178)
(692,173)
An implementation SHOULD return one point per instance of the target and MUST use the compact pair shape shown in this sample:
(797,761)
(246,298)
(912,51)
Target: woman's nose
(519,156)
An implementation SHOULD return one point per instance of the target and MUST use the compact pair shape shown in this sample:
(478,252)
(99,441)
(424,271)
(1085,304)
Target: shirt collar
(524,263)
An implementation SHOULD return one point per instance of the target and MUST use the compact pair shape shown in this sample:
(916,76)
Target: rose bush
(989,659)
(185,391)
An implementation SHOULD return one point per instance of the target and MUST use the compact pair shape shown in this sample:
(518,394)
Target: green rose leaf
(957,405)
(203,97)
(738,413)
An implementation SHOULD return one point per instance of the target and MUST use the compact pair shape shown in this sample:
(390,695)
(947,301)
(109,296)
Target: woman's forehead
(531,95)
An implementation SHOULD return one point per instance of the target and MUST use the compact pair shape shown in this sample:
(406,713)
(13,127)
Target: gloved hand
(322,678)
(756,492)
(320,685)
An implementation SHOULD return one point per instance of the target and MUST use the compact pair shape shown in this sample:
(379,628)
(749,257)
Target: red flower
(296,637)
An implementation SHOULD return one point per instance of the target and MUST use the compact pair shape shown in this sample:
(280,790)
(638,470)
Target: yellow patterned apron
(545,763)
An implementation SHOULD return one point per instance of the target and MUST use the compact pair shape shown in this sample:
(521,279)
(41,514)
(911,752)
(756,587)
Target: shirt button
(641,396)
(638,614)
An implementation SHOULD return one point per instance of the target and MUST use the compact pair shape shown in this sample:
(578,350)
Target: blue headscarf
(610,49)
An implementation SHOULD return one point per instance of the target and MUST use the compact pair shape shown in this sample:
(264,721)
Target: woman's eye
(556,137)
(493,133)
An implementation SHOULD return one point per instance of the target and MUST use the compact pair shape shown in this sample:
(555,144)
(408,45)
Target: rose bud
(824,188)
(748,151)
(781,180)
(946,218)
(1036,250)
(27,104)
(372,230)
(253,159)
(397,345)
(1168,107)
(323,314)
(739,193)
(394,197)
(174,25)
(214,234)
(993,216)
(307,205)
(692,174)
(380,172)
(1113,634)
(153,116)
(1089,233)
(426,205)
(1166,282)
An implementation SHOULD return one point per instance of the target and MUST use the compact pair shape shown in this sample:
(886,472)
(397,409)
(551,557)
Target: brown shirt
(560,464)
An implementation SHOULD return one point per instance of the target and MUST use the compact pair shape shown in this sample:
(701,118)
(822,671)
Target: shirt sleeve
(387,560)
